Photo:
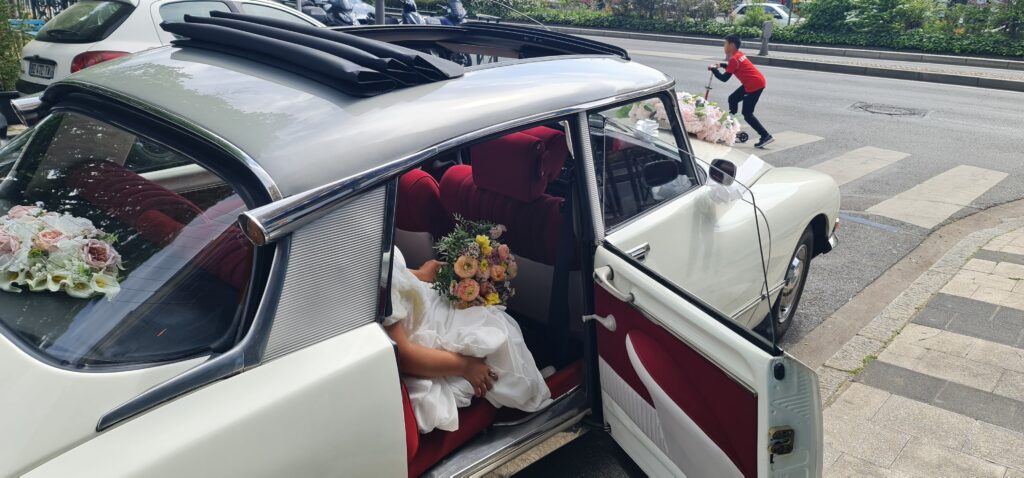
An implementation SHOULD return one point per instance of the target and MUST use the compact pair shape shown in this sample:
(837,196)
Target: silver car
(241,194)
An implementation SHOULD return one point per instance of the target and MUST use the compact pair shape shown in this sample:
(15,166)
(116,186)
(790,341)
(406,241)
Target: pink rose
(99,255)
(8,244)
(503,252)
(22,211)
(468,290)
(47,240)
(512,270)
(466,267)
(498,272)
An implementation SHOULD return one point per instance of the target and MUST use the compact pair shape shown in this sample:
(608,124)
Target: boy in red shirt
(749,92)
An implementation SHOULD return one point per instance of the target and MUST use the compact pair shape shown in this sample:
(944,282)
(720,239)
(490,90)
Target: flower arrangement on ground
(478,269)
(49,251)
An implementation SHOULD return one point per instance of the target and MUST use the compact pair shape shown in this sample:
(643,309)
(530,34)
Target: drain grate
(887,110)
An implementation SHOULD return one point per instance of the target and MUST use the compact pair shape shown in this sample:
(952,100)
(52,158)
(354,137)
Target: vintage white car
(240,196)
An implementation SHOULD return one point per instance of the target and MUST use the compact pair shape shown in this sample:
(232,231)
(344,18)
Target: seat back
(420,219)
(506,185)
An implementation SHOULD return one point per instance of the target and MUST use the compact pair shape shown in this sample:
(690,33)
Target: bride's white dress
(478,332)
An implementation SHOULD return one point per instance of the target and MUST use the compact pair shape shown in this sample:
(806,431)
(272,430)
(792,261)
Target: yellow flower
(493,298)
(483,264)
(485,244)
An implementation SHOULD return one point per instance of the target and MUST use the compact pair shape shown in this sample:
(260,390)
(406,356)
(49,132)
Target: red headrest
(556,150)
(419,205)
(515,165)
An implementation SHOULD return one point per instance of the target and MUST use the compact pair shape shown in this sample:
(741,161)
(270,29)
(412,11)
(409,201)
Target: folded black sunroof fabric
(430,67)
(316,64)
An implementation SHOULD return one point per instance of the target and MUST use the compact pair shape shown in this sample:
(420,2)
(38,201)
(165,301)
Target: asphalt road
(957,126)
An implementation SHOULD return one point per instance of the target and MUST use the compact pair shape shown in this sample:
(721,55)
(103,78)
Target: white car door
(686,391)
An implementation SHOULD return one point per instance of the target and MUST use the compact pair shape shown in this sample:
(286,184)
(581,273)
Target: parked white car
(779,13)
(93,31)
(245,191)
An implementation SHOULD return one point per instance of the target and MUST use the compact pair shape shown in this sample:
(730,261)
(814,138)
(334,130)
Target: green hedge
(989,44)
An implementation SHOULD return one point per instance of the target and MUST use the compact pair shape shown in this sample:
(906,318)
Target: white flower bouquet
(49,251)
(701,118)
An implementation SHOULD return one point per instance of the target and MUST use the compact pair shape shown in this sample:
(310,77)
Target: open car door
(685,390)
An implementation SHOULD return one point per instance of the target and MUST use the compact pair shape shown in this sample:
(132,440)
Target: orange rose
(466,267)
(498,272)
(468,290)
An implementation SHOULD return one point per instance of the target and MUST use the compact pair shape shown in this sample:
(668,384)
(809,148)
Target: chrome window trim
(261,174)
(269,223)
(246,354)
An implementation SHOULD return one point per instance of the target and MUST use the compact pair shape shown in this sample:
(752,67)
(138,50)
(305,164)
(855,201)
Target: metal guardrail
(27,25)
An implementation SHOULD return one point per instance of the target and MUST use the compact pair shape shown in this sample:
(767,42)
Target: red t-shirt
(746,72)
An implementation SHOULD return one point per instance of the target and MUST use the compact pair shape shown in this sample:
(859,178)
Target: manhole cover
(888,110)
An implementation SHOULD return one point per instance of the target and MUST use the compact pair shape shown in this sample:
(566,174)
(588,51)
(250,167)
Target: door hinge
(607,321)
(780,440)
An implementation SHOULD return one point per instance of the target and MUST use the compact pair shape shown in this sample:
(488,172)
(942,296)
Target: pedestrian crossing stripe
(858,163)
(783,141)
(933,201)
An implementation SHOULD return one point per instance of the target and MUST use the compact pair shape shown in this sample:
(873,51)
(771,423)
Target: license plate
(40,70)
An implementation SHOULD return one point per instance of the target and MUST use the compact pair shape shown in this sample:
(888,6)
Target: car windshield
(784,9)
(85,22)
(115,249)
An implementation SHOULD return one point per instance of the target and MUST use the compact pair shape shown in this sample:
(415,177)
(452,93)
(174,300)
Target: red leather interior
(412,434)
(515,166)
(556,149)
(160,216)
(419,205)
(725,410)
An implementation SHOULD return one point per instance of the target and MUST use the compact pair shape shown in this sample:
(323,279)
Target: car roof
(305,134)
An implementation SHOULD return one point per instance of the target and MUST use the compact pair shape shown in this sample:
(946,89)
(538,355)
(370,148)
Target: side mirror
(722,172)
(660,173)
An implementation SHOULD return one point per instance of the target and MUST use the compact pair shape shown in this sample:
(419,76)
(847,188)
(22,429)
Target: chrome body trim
(491,450)
(755,301)
(246,354)
(590,178)
(266,224)
(833,241)
(257,170)
(24,108)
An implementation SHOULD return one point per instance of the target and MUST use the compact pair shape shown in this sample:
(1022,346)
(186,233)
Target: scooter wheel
(742,137)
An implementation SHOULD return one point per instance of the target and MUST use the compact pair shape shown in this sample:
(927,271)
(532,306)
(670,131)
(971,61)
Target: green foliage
(597,19)
(11,42)
(887,16)
(754,16)
(1009,17)
(827,15)
(987,43)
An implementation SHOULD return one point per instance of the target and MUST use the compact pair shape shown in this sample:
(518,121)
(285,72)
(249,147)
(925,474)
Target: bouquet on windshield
(705,120)
(48,251)
(478,268)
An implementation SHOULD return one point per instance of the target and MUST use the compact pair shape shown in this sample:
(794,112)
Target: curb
(929,77)
(980,62)
(847,362)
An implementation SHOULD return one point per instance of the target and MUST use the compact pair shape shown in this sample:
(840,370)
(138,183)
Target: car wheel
(793,285)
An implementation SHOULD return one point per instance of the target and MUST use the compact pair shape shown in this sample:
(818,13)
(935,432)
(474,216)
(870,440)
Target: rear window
(85,22)
(117,250)
(175,12)
(271,12)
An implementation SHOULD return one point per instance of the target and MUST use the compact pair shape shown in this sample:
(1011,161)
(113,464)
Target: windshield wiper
(62,32)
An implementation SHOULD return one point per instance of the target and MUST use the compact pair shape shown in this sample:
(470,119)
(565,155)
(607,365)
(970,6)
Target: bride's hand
(479,375)
(428,271)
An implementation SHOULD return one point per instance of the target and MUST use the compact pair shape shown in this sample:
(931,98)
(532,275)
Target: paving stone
(851,356)
(935,339)
(829,456)
(1005,356)
(960,370)
(1011,385)
(980,265)
(960,286)
(903,354)
(901,381)
(991,295)
(979,404)
(1008,270)
(1011,473)
(962,305)
(935,317)
(860,400)
(929,422)
(1004,329)
(993,256)
(847,466)
(862,439)
(920,458)
(829,381)
(996,444)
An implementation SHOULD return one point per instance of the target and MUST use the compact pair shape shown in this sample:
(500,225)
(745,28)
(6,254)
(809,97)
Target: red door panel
(724,410)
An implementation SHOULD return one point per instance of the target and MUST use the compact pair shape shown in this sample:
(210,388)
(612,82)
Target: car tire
(784,309)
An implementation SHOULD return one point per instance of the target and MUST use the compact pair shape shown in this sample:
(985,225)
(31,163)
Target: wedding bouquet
(49,251)
(701,118)
(477,269)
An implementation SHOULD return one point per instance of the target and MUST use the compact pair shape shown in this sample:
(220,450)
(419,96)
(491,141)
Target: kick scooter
(742,136)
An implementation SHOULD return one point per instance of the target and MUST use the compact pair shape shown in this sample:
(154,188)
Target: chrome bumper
(833,241)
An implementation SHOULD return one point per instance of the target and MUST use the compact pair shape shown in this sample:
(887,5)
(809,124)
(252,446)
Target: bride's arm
(415,359)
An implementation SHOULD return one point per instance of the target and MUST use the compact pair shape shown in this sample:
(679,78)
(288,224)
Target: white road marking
(783,140)
(939,197)
(858,163)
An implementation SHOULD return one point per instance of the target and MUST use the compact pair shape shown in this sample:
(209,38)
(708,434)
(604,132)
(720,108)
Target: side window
(11,151)
(117,250)
(741,11)
(271,12)
(636,159)
(175,12)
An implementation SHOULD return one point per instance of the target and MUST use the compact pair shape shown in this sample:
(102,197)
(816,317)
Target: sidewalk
(938,386)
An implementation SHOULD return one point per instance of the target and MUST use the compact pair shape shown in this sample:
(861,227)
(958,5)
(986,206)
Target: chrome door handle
(608,321)
(604,276)
(640,252)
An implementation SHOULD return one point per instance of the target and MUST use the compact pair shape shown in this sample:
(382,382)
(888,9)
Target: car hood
(749,167)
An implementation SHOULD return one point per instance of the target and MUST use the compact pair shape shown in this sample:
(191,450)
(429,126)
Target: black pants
(749,103)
